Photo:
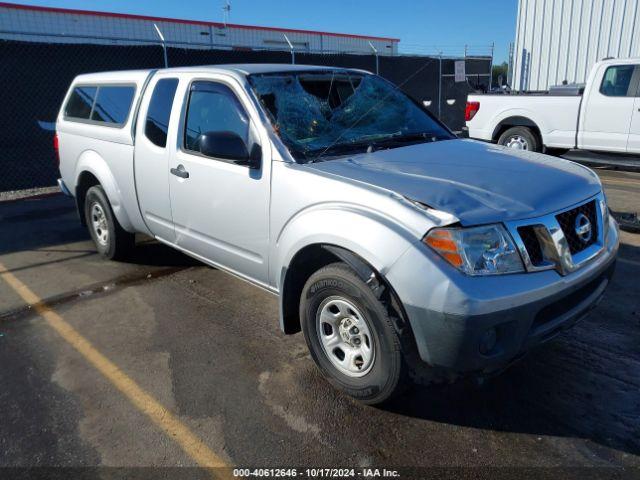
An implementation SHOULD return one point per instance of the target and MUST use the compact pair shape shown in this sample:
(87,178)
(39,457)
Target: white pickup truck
(603,115)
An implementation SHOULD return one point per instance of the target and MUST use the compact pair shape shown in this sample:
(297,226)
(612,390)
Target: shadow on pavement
(585,383)
(42,224)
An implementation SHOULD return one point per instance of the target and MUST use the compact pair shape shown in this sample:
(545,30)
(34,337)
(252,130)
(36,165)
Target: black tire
(532,141)
(387,376)
(119,242)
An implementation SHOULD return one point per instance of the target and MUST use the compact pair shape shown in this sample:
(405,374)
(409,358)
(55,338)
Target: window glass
(213,107)
(336,112)
(616,80)
(80,102)
(159,112)
(113,104)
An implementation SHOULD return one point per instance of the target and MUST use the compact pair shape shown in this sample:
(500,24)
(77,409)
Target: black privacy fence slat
(35,77)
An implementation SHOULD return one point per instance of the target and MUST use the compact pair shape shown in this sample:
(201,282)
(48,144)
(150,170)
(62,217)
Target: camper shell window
(107,105)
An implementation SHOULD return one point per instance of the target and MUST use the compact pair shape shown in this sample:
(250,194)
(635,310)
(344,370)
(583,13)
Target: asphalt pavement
(164,362)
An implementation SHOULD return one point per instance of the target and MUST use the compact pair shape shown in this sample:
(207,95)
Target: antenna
(226,11)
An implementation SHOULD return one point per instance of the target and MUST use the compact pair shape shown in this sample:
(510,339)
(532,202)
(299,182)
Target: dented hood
(477,182)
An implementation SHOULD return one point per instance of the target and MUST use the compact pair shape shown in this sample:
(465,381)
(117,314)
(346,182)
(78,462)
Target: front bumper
(450,313)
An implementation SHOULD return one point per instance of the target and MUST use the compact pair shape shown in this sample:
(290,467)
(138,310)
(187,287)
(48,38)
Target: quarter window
(213,107)
(81,102)
(616,81)
(113,104)
(159,112)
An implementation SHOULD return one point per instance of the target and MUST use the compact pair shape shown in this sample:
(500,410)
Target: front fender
(377,238)
(90,161)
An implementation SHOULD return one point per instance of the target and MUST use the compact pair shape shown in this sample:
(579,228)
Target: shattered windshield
(323,114)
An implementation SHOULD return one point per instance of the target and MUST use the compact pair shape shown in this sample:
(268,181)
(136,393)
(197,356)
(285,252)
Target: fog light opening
(488,341)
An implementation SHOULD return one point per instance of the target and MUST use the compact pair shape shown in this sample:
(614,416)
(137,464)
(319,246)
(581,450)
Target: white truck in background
(602,115)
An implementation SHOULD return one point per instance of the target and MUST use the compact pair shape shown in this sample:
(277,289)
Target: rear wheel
(520,138)
(112,241)
(351,335)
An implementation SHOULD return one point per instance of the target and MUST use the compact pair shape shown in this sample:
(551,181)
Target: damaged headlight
(486,250)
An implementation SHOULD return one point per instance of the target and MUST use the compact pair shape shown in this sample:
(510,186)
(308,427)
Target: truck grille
(560,241)
(567,221)
(532,244)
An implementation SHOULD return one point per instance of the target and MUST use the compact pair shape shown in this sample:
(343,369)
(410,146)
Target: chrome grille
(532,244)
(567,221)
(553,241)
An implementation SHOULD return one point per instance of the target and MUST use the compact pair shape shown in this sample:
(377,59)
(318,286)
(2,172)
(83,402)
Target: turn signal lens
(442,242)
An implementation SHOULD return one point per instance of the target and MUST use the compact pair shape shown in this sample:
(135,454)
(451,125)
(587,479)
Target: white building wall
(560,40)
(56,25)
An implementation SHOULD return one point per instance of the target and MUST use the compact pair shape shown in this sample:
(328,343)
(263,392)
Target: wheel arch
(516,121)
(367,240)
(310,259)
(93,170)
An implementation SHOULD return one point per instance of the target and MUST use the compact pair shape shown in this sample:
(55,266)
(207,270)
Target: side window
(159,113)
(213,107)
(113,104)
(80,102)
(616,81)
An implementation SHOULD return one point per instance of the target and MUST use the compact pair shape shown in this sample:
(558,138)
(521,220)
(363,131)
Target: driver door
(220,207)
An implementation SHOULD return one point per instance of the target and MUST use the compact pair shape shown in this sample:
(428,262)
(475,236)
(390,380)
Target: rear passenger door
(608,110)
(152,155)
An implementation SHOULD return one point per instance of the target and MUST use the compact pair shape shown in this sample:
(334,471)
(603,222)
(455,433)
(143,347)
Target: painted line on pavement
(190,443)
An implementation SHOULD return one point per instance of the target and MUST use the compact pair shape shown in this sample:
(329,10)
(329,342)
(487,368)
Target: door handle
(180,172)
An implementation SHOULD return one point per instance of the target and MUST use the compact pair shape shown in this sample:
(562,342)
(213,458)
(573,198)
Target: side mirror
(229,146)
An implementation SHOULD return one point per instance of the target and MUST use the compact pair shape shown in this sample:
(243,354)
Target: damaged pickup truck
(400,251)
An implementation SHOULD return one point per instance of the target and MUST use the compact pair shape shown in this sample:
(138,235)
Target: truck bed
(556,116)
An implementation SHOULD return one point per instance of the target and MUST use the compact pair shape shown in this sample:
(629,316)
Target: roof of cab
(619,61)
(121,76)
(237,69)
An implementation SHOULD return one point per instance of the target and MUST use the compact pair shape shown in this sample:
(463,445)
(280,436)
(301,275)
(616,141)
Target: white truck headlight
(486,250)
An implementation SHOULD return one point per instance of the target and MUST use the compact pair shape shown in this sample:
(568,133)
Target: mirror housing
(229,146)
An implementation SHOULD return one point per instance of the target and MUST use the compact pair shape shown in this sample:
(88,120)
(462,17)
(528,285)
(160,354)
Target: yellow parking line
(165,420)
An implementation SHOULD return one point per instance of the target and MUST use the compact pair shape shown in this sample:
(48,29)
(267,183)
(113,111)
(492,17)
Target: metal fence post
(491,66)
(440,85)
(293,52)
(164,46)
(375,52)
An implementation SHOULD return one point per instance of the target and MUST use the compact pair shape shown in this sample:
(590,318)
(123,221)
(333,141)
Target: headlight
(486,250)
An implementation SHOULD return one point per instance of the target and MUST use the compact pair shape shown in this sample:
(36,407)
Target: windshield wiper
(402,138)
(339,148)
(371,145)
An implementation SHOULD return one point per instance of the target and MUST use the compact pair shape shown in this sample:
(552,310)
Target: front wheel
(112,241)
(520,138)
(351,335)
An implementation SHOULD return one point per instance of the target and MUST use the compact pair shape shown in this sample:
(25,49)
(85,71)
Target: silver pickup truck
(402,252)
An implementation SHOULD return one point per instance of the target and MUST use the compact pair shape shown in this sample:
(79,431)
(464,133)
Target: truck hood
(477,182)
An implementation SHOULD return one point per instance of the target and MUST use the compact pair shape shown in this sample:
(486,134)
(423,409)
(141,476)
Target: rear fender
(90,161)
(518,117)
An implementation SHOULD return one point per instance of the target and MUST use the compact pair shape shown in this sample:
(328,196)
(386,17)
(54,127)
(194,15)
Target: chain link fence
(36,75)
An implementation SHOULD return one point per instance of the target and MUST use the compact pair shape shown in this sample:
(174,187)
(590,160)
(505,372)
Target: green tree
(498,70)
